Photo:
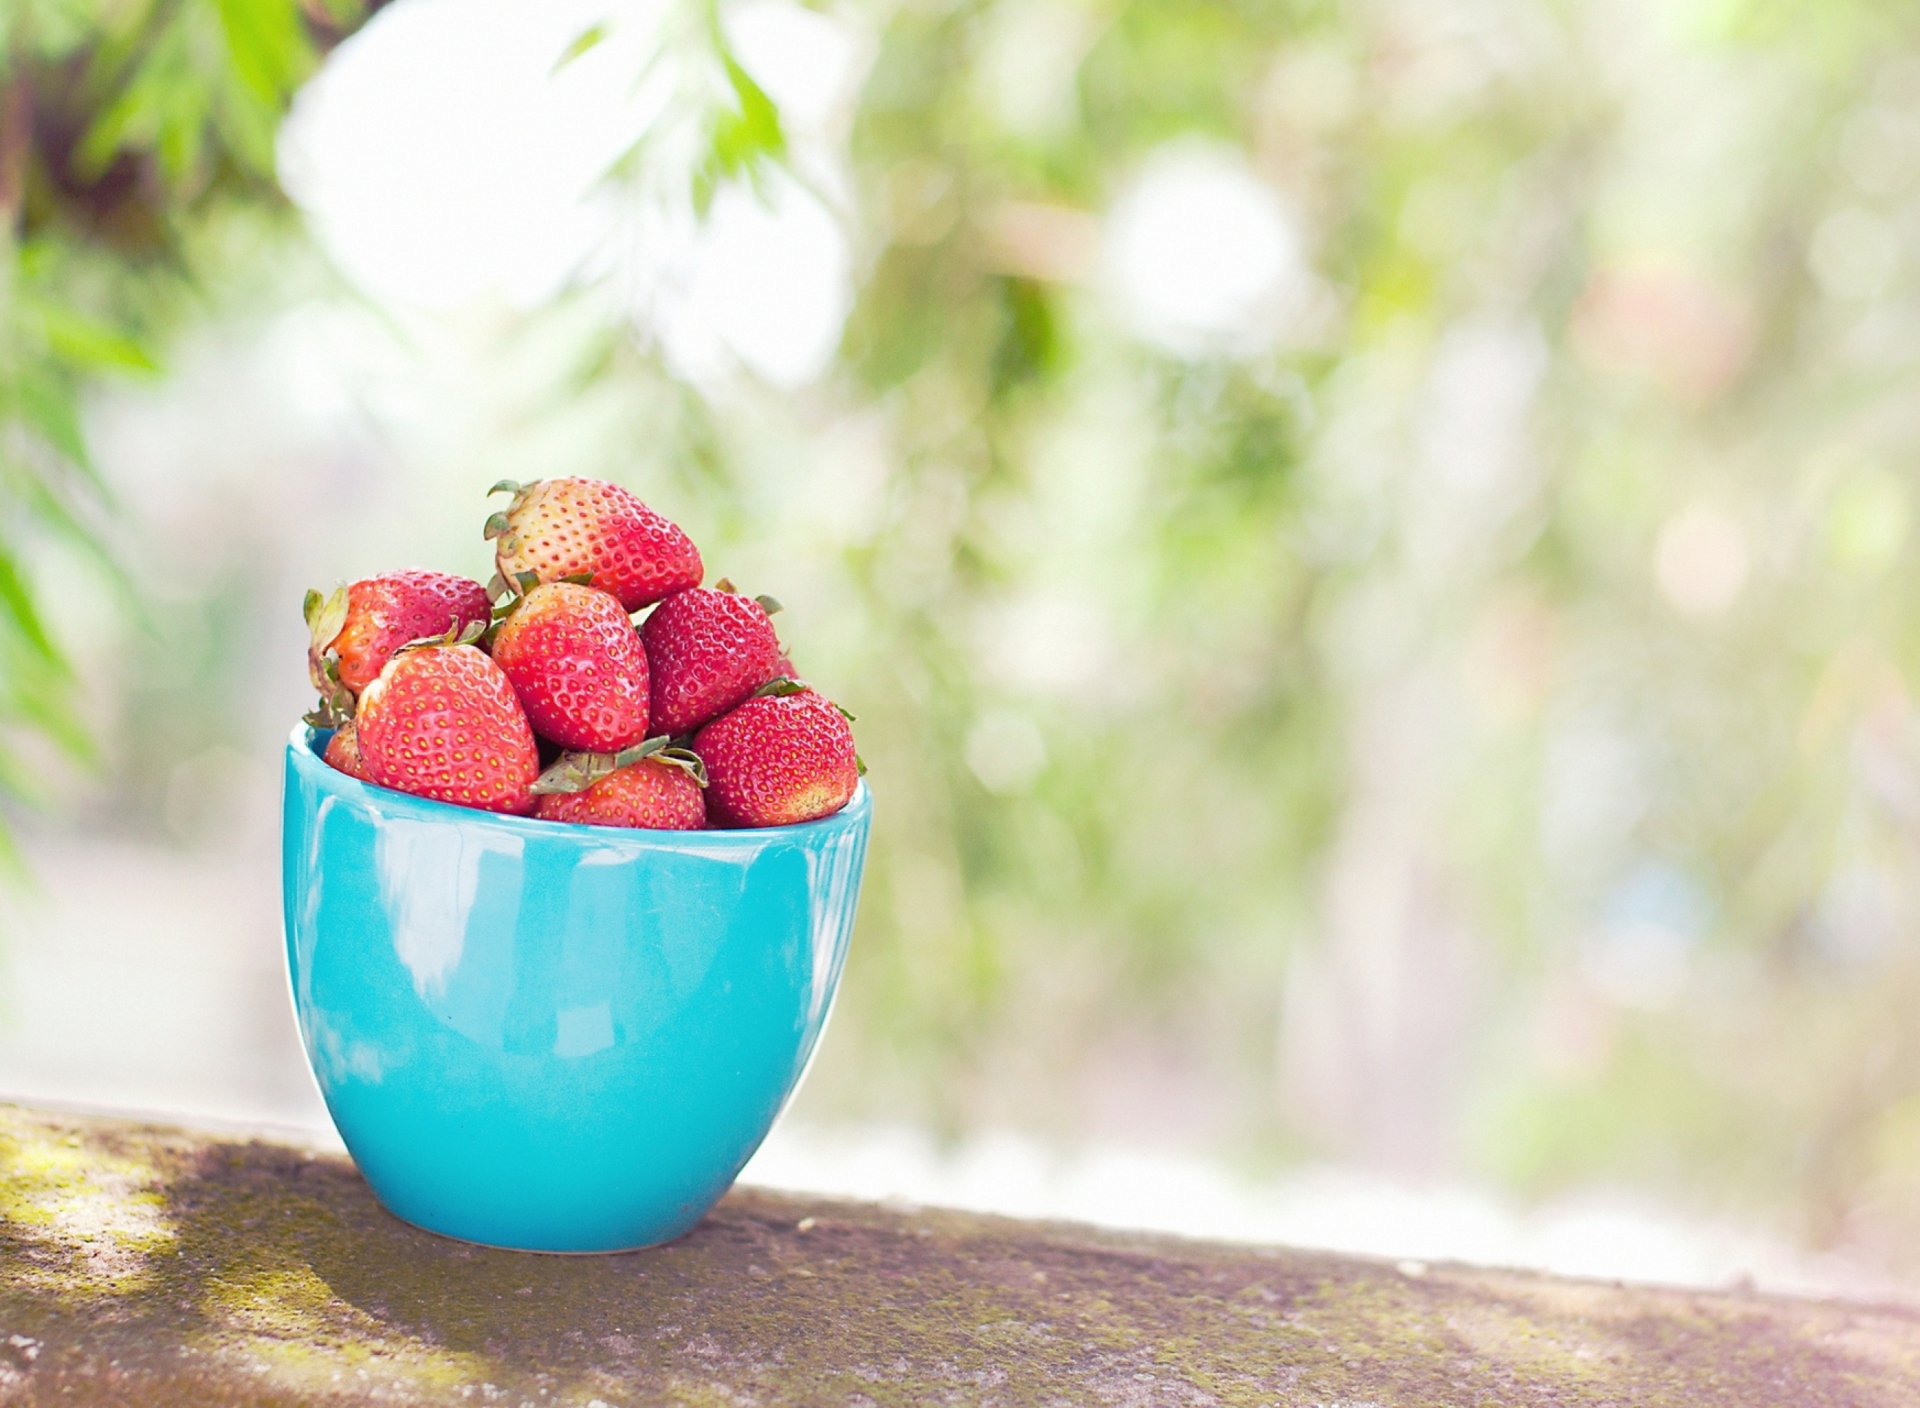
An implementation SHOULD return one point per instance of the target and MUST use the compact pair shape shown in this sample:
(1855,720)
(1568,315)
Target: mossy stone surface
(153,1266)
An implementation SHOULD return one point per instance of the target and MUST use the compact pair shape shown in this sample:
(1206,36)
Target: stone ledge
(154,1266)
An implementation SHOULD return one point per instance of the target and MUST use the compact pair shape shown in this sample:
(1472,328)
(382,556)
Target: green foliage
(718,115)
(1391,719)
(121,127)
(742,135)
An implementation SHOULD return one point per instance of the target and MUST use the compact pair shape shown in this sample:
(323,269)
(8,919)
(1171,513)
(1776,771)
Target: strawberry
(557,528)
(578,666)
(778,759)
(709,648)
(363,624)
(654,792)
(343,752)
(442,721)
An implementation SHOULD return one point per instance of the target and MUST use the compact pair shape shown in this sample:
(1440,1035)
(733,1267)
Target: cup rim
(304,758)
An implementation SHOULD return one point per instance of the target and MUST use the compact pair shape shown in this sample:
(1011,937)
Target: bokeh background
(1372,544)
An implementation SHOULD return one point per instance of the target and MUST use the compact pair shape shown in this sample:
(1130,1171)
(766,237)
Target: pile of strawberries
(537,695)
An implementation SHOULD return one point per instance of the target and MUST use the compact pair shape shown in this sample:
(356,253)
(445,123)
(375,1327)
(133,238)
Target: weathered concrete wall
(156,1267)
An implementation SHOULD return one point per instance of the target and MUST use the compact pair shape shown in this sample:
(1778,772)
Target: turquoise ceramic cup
(548,1037)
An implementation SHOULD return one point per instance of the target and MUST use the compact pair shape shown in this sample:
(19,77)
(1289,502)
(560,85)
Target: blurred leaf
(742,136)
(91,346)
(589,39)
(200,79)
(17,604)
(48,408)
(268,47)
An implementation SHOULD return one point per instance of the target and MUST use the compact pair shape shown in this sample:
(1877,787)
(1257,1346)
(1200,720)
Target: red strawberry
(557,528)
(650,793)
(343,752)
(365,623)
(441,721)
(778,759)
(578,666)
(709,649)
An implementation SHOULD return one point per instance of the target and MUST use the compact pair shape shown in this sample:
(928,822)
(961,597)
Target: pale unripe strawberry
(708,649)
(778,759)
(559,528)
(578,666)
(650,793)
(442,721)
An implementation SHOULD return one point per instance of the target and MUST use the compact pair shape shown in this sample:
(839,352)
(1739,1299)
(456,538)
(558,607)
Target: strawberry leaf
(860,764)
(685,759)
(325,618)
(573,773)
(626,757)
(725,584)
(455,634)
(579,579)
(506,486)
(576,772)
(337,704)
(322,670)
(770,604)
(847,714)
(781,685)
(495,526)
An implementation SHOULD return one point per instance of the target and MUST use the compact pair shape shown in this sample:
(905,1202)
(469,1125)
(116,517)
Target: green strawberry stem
(464,635)
(499,523)
(337,704)
(576,772)
(781,685)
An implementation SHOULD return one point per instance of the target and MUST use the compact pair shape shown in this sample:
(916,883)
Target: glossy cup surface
(553,1037)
